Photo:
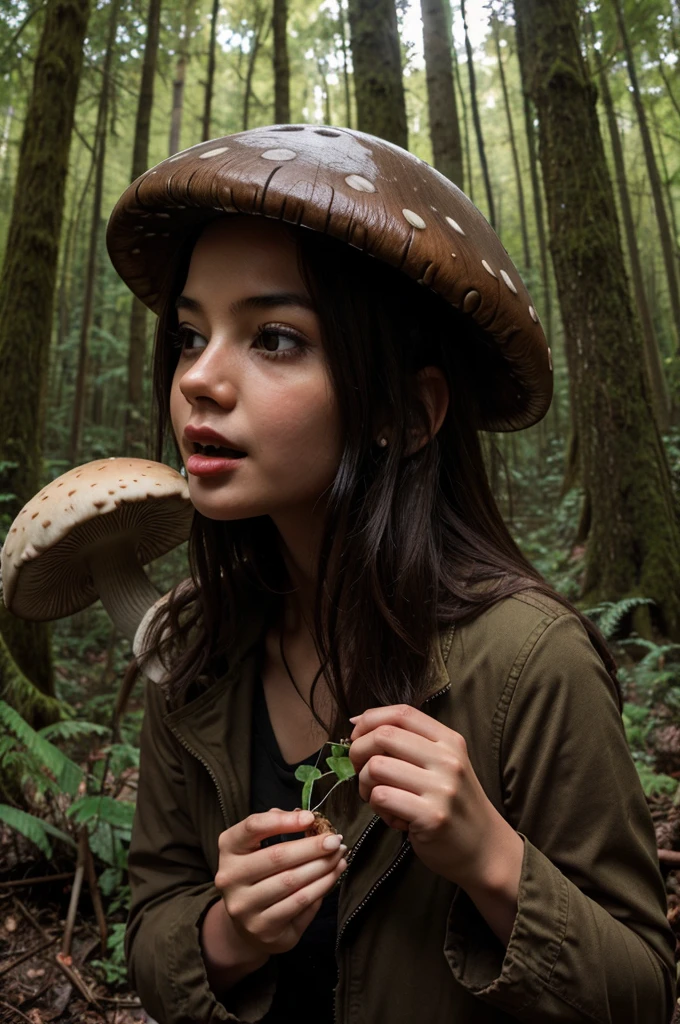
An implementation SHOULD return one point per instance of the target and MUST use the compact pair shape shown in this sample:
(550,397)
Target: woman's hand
(272,894)
(416,774)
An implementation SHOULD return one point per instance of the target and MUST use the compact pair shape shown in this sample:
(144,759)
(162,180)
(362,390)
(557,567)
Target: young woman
(352,577)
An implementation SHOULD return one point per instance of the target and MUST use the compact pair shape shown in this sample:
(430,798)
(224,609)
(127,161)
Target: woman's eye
(184,337)
(278,342)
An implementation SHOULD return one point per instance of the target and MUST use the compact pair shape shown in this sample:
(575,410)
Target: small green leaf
(307,773)
(339,749)
(342,766)
(115,812)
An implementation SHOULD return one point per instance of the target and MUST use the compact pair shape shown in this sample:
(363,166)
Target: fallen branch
(74,977)
(15,883)
(13,1009)
(32,920)
(669,857)
(26,956)
(75,892)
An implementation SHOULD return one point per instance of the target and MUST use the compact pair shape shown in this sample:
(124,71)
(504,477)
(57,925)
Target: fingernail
(332,842)
(355,719)
(342,848)
(306,817)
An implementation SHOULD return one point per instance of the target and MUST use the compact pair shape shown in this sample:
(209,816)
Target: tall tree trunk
(467,179)
(666,182)
(257,40)
(135,441)
(180,80)
(634,536)
(513,148)
(477,121)
(376,58)
(345,63)
(652,354)
(667,247)
(27,285)
(447,150)
(281,66)
(210,79)
(99,158)
(546,313)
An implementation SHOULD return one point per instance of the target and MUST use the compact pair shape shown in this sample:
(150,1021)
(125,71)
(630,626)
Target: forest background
(561,120)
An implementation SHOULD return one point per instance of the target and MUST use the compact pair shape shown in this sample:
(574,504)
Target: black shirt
(307,974)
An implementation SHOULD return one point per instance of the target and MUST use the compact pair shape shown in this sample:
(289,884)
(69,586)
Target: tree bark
(135,440)
(345,62)
(467,149)
(27,286)
(257,40)
(180,80)
(513,148)
(378,81)
(99,158)
(447,150)
(477,121)
(633,536)
(667,247)
(210,79)
(652,354)
(281,65)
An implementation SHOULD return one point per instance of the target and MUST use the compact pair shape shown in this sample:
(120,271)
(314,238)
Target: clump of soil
(321,826)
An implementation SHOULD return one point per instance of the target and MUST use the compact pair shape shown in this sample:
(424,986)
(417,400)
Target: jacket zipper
(393,867)
(209,770)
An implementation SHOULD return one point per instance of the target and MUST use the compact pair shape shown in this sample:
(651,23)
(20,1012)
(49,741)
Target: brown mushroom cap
(368,193)
(91,530)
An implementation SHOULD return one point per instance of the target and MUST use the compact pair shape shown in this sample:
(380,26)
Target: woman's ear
(434,394)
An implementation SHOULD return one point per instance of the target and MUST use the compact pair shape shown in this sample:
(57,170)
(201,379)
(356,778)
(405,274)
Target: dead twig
(96,895)
(26,956)
(32,920)
(74,977)
(16,883)
(669,857)
(75,892)
(13,1009)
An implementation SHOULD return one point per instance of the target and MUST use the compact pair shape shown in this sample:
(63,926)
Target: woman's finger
(382,770)
(247,835)
(272,920)
(253,867)
(254,899)
(398,743)
(404,717)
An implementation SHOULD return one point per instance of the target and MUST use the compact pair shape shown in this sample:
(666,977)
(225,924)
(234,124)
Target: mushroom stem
(123,587)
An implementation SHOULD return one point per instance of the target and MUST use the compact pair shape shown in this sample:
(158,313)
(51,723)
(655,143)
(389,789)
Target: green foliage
(33,828)
(89,810)
(41,757)
(113,967)
(609,615)
(340,766)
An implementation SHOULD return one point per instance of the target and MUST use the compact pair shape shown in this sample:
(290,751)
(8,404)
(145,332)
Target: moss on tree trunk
(633,539)
(27,285)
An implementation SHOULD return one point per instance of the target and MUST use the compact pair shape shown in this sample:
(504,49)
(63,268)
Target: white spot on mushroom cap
(414,219)
(550,363)
(455,225)
(278,154)
(359,184)
(533,314)
(508,280)
(488,269)
(213,152)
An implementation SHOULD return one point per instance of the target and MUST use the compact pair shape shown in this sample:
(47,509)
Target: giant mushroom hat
(370,194)
(88,534)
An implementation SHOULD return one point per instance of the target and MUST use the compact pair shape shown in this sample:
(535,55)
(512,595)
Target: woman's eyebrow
(252,302)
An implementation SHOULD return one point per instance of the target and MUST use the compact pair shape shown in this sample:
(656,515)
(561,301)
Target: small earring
(382,441)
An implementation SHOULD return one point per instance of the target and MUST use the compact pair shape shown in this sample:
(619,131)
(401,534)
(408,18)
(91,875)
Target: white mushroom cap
(88,534)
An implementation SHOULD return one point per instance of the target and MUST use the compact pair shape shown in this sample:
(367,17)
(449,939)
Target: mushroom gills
(215,450)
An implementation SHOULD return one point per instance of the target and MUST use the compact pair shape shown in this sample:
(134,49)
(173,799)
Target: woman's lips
(211,465)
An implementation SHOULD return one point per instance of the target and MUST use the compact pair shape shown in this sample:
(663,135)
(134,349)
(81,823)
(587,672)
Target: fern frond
(71,730)
(33,828)
(66,771)
(609,614)
(104,808)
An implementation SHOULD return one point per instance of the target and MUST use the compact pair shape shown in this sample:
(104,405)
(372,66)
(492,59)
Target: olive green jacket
(524,686)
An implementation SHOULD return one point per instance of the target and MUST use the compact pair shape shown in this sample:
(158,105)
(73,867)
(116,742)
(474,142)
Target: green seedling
(339,765)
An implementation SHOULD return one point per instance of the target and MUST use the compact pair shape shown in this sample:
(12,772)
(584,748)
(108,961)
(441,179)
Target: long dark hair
(412,542)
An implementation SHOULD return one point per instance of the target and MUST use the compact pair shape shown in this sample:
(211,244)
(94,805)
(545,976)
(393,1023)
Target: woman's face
(251,366)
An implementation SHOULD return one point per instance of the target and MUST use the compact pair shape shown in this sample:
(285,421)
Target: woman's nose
(213,374)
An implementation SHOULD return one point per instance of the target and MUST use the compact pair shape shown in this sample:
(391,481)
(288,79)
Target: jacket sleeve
(590,941)
(172,890)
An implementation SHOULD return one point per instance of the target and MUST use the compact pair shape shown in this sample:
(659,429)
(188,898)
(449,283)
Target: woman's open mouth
(211,459)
